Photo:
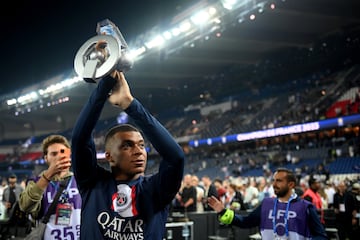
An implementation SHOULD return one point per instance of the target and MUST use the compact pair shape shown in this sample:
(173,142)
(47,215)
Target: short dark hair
(218,180)
(12,176)
(290,176)
(313,179)
(119,128)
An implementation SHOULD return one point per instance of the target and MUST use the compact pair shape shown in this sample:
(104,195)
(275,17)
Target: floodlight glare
(212,11)
(167,35)
(185,26)
(175,31)
(133,54)
(155,42)
(11,102)
(228,4)
(200,18)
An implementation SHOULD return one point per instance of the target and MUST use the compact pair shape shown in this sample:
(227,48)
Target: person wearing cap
(287,216)
(312,195)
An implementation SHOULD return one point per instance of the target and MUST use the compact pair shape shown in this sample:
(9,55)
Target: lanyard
(285,217)
(64,195)
(57,184)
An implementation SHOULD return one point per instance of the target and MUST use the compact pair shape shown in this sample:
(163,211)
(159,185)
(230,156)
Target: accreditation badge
(63,213)
(342,207)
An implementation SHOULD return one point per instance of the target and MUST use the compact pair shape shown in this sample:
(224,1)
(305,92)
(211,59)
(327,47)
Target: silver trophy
(102,54)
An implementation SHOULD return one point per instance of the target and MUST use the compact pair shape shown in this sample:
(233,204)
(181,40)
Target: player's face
(127,155)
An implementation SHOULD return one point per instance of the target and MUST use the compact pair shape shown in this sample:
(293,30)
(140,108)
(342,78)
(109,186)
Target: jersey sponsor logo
(121,228)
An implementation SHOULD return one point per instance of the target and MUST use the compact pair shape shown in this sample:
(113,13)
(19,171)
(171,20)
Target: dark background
(39,38)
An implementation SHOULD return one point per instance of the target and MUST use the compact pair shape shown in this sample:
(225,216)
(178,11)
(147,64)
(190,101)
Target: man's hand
(56,167)
(8,205)
(215,204)
(120,95)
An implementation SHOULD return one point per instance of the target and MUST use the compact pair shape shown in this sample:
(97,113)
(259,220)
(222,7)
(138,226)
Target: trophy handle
(90,64)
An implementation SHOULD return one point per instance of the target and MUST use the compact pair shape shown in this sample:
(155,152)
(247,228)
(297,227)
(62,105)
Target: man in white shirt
(251,195)
(330,192)
(2,187)
(200,193)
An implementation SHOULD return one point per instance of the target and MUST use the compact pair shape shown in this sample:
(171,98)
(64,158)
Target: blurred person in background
(221,190)
(324,198)
(356,221)
(11,193)
(234,199)
(200,192)
(10,210)
(210,190)
(344,206)
(330,192)
(3,210)
(312,195)
(264,189)
(3,185)
(322,172)
(251,195)
(186,197)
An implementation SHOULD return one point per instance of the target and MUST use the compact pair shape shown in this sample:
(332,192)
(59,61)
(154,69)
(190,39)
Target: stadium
(245,87)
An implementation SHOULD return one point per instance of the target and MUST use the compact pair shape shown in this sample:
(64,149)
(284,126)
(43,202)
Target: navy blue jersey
(123,210)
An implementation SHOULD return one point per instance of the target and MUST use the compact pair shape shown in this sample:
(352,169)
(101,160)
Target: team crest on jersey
(123,201)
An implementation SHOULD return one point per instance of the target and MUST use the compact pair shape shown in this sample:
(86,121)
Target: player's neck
(127,177)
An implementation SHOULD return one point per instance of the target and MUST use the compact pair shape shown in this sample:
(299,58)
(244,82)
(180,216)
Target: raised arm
(171,170)
(83,148)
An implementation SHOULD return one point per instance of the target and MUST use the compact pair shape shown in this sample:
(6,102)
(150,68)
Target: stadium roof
(177,77)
